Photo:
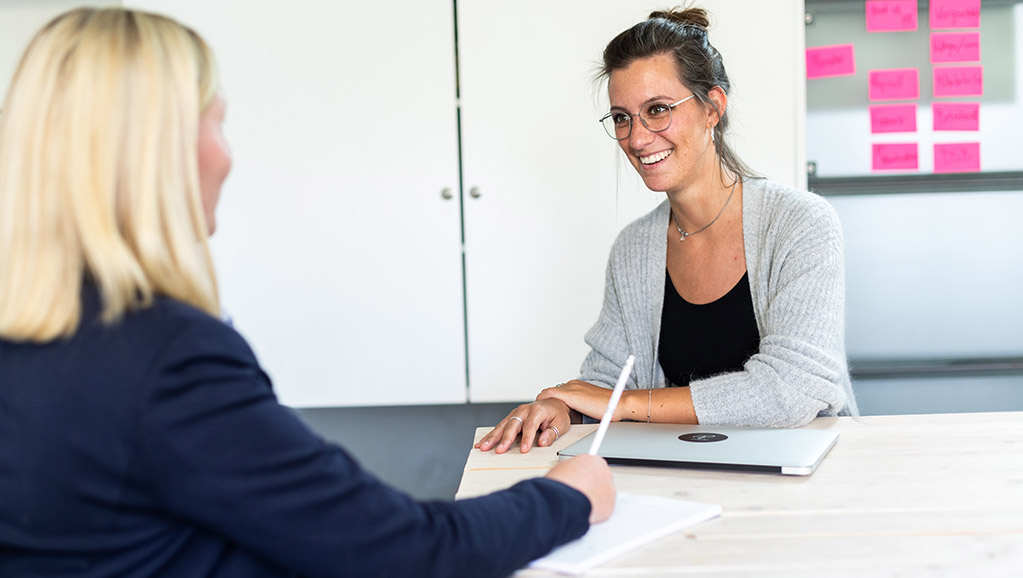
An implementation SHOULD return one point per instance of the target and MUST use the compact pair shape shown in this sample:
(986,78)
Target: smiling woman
(731,293)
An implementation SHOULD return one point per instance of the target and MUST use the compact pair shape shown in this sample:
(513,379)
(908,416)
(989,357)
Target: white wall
(933,275)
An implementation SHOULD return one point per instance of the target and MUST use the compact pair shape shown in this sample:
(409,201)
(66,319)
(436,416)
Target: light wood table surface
(914,495)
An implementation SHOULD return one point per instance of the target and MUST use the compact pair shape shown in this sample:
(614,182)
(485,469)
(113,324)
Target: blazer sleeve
(800,370)
(220,452)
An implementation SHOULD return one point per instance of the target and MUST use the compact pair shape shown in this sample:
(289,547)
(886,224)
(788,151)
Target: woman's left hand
(586,398)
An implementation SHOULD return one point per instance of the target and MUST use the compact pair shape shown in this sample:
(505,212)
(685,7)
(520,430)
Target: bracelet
(649,396)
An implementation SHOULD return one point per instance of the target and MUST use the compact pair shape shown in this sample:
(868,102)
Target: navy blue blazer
(156,447)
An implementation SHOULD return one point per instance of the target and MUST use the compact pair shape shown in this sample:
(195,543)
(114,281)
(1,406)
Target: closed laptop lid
(785,451)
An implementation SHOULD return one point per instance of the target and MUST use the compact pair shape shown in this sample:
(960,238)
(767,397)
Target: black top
(155,447)
(699,341)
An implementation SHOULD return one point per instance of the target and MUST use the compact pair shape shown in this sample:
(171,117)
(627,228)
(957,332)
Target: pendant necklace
(683,234)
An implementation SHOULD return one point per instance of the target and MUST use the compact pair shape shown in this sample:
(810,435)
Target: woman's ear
(719,102)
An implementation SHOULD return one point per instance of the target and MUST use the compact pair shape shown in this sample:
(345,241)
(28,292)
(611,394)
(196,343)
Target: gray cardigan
(793,244)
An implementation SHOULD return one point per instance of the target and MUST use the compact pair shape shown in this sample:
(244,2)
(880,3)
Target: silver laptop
(795,452)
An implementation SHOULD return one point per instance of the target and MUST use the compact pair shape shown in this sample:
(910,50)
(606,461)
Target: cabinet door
(338,258)
(554,190)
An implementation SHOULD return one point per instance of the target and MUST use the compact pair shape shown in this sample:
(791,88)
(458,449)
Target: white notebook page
(637,520)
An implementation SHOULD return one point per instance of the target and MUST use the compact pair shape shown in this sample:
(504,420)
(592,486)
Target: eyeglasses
(655,116)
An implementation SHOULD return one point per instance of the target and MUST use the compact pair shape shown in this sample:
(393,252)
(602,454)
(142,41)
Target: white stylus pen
(611,405)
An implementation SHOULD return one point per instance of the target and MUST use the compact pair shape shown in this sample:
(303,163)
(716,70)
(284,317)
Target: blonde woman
(138,434)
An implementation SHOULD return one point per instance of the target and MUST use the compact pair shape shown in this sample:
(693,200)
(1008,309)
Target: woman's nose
(640,136)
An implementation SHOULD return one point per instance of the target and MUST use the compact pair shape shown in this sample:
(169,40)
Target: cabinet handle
(475,192)
(446,194)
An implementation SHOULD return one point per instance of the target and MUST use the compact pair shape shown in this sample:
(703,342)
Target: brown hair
(682,33)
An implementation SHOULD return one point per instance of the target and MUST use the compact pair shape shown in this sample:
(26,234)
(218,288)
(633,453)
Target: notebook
(795,452)
(637,520)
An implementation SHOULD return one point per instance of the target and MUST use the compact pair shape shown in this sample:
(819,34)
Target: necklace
(683,234)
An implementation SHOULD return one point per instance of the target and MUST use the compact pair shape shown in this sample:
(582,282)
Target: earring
(711,134)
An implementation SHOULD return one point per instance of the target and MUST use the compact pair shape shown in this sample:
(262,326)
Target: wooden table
(916,495)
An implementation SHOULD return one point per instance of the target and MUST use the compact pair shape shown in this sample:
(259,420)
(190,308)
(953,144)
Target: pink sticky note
(889,157)
(891,15)
(958,81)
(893,118)
(894,84)
(955,14)
(957,157)
(955,47)
(827,61)
(956,115)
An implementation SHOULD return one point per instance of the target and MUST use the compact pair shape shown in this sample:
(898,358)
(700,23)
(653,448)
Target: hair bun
(684,16)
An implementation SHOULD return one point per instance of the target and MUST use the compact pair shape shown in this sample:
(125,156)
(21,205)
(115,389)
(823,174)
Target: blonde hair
(99,171)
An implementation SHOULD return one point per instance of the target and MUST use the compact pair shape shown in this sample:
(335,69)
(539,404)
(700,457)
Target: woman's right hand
(548,417)
(590,475)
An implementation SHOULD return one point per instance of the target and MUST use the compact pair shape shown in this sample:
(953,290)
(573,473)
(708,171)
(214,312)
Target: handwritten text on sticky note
(894,84)
(954,14)
(889,157)
(893,118)
(956,115)
(891,15)
(957,157)
(958,81)
(955,47)
(828,61)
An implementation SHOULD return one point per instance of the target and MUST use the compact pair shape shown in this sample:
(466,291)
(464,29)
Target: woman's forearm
(661,405)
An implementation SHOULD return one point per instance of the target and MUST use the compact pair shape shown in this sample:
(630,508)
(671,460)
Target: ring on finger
(516,418)
(557,434)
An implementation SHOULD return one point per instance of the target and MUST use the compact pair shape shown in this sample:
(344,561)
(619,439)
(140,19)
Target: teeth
(654,158)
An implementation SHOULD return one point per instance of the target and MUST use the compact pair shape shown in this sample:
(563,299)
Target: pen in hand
(611,405)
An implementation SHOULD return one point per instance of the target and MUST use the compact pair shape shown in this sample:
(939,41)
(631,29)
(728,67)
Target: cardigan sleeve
(219,452)
(624,324)
(607,339)
(800,370)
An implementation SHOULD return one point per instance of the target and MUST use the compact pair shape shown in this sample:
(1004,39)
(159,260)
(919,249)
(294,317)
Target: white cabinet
(554,188)
(339,259)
